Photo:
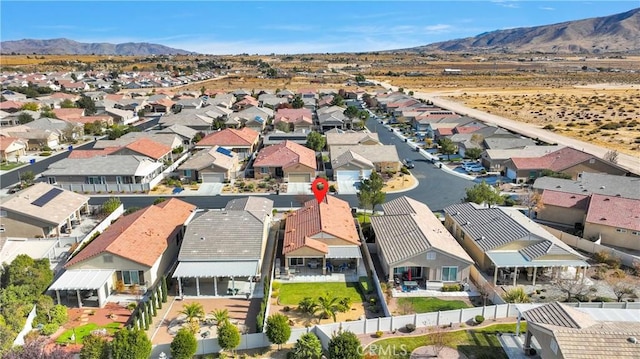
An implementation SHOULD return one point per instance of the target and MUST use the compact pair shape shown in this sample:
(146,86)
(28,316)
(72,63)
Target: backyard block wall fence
(388,324)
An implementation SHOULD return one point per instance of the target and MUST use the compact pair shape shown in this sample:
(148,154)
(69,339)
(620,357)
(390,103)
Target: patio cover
(216,269)
(344,252)
(82,279)
(515,259)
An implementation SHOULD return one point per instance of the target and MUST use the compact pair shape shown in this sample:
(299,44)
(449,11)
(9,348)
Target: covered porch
(345,260)
(216,279)
(512,268)
(84,287)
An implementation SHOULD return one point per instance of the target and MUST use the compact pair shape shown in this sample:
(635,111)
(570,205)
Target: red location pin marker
(320,186)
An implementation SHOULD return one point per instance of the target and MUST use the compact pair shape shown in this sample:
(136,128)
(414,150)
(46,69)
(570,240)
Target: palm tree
(193,311)
(220,316)
(329,305)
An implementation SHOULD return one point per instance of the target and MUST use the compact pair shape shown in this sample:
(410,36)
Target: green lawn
(10,166)
(293,293)
(477,343)
(84,330)
(426,305)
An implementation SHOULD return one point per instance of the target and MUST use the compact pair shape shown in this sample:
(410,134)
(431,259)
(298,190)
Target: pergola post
(584,272)
(79,299)
(324,265)
(233,283)
(518,325)
(495,276)
(515,275)
(58,296)
(198,286)
(535,270)
(180,287)
(215,286)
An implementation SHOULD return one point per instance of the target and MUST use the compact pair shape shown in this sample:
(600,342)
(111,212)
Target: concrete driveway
(210,189)
(299,188)
(348,187)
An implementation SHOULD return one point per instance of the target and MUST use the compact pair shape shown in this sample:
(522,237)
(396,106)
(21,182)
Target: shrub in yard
(478,319)
(379,334)
(618,273)
(452,288)
(601,257)
(613,262)
(410,328)
(332,188)
(49,329)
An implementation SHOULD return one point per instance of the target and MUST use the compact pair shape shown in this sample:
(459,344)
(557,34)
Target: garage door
(348,176)
(299,177)
(511,174)
(212,177)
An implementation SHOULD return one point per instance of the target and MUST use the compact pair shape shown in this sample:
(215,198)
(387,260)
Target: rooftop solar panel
(224,151)
(45,198)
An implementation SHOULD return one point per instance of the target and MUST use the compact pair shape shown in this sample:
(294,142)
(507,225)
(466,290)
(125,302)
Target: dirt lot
(300,320)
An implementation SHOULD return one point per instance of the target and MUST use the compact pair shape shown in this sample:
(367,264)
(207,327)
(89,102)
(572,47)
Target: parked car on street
(408,163)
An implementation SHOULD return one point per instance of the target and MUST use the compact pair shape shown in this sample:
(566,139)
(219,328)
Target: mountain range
(619,33)
(607,34)
(70,47)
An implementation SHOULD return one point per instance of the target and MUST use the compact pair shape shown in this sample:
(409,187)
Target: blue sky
(284,27)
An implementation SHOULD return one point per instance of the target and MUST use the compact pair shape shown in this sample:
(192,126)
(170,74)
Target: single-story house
(566,160)
(254,118)
(223,259)
(321,234)
(216,164)
(412,244)
(108,170)
(288,160)
(566,332)
(614,220)
(296,118)
(355,162)
(345,138)
(147,147)
(276,136)
(495,160)
(243,141)
(41,210)
(187,134)
(36,139)
(507,244)
(123,117)
(12,148)
(116,255)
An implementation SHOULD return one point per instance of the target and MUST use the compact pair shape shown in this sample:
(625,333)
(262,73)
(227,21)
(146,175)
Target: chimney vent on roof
(202,238)
(633,340)
(602,187)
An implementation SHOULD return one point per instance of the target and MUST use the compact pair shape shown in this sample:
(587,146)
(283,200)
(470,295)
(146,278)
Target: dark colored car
(408,163)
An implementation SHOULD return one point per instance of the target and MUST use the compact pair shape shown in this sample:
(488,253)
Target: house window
(95,180)
(3,213)
(130,277)
(296,262)
(449,274)
(554,346)
(621,230)
(119,179)
(264,170)
(187,173)
(108,258)
(635,233)
(51,180)
(431,256)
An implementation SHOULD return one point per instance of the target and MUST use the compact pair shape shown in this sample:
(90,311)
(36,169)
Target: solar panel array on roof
(224,151)
(45,198)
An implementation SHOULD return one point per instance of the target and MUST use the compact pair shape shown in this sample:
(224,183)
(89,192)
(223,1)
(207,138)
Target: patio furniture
(410,285)
(313,264)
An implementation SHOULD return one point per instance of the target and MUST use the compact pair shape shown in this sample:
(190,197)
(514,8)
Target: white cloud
(289,27)
(438,28)
(547,8)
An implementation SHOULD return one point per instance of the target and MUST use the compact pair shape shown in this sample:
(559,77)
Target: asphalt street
(436,188)
(10,178)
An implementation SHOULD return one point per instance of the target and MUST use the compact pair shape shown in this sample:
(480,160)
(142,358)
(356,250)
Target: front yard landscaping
(83,331)
(426,305)
(6,166)
(474,343)
(293,293)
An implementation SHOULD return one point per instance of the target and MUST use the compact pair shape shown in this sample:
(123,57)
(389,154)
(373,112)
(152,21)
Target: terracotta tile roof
(141,236)
(466,129)
(614,211)
(92,153)
(164,102)
(332,216)
(556,161)
(230,137)
(285,154)
(149,148)
(5,142)
(114,97)
(92,119)
(565,199)
(444,131)
(64,96)
(294,115)
(68,113)
(6,105)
